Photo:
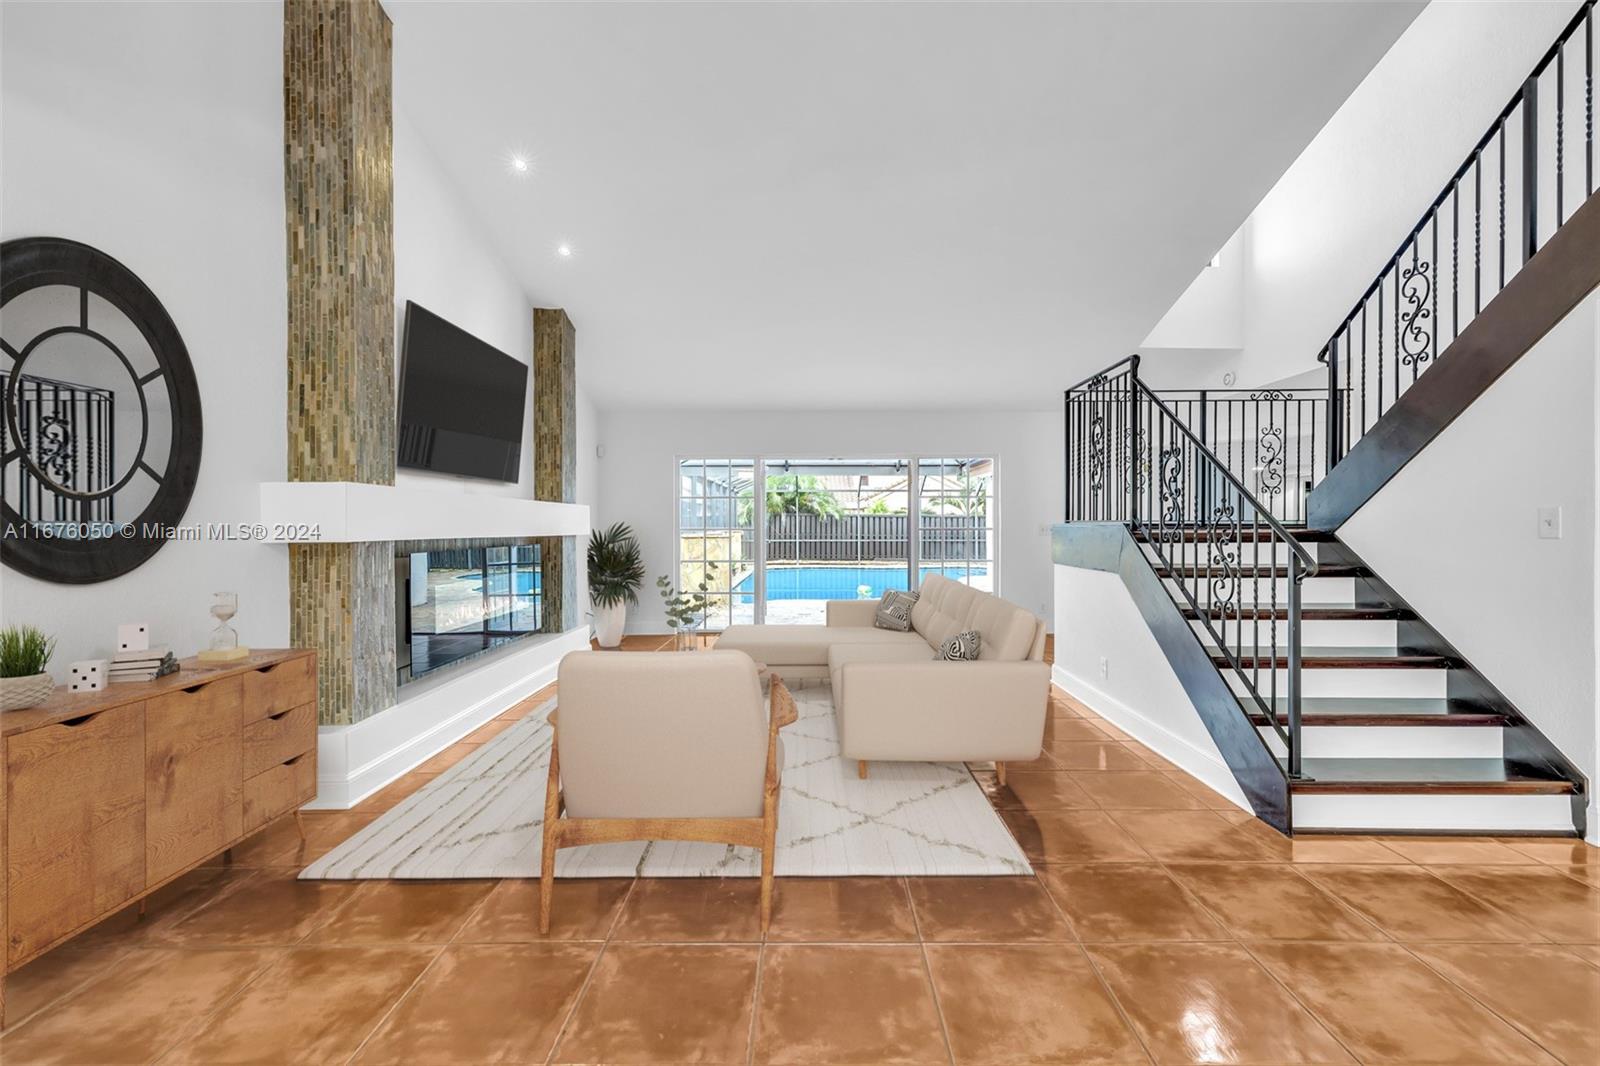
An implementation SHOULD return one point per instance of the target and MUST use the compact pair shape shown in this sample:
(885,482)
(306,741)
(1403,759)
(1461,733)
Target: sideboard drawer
(75,809)
(270,741)
(281,687)
(279,790)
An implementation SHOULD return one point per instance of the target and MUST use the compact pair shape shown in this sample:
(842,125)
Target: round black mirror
(100,440)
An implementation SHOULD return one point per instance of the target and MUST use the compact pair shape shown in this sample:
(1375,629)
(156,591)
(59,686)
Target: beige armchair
(664,747)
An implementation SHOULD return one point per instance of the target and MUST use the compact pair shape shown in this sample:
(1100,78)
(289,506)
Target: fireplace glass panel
(459,602)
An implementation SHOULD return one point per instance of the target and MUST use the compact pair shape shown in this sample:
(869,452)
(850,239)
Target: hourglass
(225,646)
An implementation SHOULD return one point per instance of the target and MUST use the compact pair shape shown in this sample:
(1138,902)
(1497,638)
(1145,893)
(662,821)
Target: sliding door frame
(758,558)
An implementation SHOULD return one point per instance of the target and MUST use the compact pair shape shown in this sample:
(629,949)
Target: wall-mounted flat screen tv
(461,401)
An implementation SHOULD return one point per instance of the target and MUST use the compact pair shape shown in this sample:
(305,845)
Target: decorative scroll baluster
(1561,109)
(1414,338)
(1502,206)
(1477,233)
(1588,102)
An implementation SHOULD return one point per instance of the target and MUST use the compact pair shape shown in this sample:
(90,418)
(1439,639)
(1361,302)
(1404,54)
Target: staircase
(1336,705)
(1396,727)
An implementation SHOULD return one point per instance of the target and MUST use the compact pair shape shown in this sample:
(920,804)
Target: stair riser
(1401,684)
(1395,742)
(1363,633)
(1430,812)
(1250,591)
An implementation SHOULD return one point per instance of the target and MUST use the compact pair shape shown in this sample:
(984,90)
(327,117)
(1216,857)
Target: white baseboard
(1205,765)
(354,761)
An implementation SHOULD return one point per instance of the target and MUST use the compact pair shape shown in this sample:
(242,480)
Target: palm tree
(791,494)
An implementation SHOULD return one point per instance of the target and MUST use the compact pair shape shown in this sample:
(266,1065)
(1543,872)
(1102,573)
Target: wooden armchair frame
(759,832)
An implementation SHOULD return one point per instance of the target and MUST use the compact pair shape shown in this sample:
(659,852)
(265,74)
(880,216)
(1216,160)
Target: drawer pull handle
(192,689)
(268,668)
(280,716)
(82,719)
(291,762)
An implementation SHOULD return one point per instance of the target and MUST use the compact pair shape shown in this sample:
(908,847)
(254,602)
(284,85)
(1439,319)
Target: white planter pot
(19,692)
(609,623)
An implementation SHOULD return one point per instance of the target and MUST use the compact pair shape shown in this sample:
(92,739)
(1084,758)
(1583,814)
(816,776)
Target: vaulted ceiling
(869,205)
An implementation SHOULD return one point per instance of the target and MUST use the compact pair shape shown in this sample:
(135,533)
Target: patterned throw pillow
(962,647)
(894,611)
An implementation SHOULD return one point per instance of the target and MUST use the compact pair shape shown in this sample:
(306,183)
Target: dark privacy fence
(852,537)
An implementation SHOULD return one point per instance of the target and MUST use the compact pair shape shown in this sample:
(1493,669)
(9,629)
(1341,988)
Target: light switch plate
(1549,523)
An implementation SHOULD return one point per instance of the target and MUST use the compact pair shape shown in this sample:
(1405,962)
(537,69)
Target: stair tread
(1266,533)
(1335,657)
(1383,711)
(1246,571)
(1311,612)
(1427,775)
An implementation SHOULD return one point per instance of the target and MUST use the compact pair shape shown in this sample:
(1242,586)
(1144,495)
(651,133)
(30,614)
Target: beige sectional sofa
(896,701)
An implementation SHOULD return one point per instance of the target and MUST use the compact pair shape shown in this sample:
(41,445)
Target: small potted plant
(685,610)
(24,654)
(615,573)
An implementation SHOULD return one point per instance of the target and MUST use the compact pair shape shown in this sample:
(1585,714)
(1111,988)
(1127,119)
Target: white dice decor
(133,636)
(88,675)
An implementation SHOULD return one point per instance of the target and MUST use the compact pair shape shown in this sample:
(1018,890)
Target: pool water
(527,583)
(839,582)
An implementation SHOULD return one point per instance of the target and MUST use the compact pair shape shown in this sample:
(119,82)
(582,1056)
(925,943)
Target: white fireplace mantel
(344,512)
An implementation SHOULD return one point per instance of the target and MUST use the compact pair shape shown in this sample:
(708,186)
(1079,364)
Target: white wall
(1317,239)
(1455,533)
(445,262)
(1210,313)
(638,477)
(155,133)
(1095,620)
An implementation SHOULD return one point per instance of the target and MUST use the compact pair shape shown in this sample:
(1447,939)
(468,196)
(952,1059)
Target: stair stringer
(1111,548)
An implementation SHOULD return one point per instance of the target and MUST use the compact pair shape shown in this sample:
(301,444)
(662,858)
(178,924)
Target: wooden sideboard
(107,796)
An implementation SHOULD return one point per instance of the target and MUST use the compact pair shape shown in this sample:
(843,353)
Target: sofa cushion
(799,645)
(894,610)
(963,647)
(840,655)
(947,607)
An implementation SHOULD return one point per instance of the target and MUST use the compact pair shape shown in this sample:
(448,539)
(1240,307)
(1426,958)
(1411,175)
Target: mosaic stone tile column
(555,457)
(339,199)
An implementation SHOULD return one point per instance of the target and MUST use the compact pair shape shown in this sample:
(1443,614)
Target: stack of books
(145,665)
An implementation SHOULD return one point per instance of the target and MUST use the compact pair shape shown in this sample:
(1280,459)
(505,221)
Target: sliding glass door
(717,536)
(774,538)
(836,530)
(956,511)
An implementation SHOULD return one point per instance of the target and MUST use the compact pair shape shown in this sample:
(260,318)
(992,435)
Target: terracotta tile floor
(1163,925)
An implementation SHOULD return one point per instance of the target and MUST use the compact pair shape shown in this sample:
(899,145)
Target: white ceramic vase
(19,692)
(609,623)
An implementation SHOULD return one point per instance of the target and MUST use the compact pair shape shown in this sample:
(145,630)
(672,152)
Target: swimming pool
(839,582)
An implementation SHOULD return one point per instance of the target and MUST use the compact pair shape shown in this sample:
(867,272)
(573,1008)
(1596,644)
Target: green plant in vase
(24,653)
(615,572)
(686,610)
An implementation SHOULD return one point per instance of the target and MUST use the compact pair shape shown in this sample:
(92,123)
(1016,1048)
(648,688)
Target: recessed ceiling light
(519,163)
(564,250)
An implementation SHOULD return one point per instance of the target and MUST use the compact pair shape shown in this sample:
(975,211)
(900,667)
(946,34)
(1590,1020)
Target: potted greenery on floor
(686,610)
(615,574)
(24,654)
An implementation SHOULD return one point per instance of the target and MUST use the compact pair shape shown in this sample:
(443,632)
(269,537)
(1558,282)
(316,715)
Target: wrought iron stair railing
(1131,459)
(1519,185)
(1273,440)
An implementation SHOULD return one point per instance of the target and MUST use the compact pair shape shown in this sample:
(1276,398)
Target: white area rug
(482,818)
